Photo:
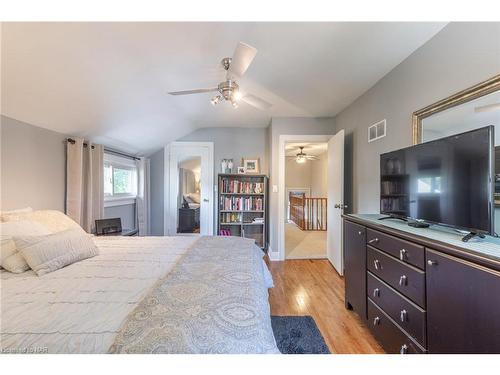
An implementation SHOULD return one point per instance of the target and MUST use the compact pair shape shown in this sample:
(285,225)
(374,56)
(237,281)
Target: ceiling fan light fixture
(301,159)
(234,104)
(237,96)
(215,100)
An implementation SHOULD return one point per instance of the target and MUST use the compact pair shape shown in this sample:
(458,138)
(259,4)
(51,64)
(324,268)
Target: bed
(182,294)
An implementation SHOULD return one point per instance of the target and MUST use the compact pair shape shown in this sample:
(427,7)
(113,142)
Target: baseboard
(272,255)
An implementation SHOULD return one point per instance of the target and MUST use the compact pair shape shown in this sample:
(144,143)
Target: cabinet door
(463,305)
(355,267)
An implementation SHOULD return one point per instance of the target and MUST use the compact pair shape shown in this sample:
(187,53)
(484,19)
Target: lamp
(301,159)
(215,100)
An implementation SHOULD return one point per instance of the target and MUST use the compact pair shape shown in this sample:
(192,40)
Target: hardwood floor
(313,287)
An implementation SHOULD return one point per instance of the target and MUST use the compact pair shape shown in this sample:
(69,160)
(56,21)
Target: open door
(335,181)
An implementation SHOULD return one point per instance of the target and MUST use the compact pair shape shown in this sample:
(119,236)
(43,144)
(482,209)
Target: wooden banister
(308,213)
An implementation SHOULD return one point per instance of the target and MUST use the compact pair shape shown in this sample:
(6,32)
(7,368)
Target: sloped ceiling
(109,81)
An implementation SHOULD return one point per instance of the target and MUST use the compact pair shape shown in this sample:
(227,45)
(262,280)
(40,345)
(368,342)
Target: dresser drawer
(388,334)
(408,280)
(405,251)
(409,316)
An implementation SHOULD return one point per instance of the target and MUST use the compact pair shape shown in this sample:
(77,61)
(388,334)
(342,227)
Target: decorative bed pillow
(193,197)
(54,221)
(45,254)
(10,259)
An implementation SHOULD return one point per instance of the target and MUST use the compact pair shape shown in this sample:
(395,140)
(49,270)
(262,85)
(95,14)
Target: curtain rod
(111,151)
(106,149)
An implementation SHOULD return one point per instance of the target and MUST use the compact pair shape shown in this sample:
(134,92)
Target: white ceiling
(108,81)
(292,149)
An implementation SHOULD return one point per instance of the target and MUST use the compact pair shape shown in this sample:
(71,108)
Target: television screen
(448,181)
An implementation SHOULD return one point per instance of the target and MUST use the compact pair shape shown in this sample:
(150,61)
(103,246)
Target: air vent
(376,131)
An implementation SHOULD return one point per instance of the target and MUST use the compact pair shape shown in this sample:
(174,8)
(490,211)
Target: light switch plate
(275,188)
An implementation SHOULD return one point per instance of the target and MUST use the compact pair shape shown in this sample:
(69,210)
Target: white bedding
(57,312)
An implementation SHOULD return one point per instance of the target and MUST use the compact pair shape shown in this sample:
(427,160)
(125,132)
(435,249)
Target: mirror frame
(474,92)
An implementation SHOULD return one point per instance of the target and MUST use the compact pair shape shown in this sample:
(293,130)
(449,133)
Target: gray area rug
(298,335)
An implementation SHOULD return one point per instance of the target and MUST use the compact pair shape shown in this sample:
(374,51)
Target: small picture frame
(241,170)
(251,165)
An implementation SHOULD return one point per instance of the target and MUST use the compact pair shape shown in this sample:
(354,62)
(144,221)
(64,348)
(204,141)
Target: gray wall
(126,212)
(458,57)
(33,166)
(233,143)
(157,161)
(288,126)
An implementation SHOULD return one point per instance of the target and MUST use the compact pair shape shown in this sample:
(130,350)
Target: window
(120,179)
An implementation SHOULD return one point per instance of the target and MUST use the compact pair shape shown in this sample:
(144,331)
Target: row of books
(392,187)
(241,187)
(241,203)
(230,217)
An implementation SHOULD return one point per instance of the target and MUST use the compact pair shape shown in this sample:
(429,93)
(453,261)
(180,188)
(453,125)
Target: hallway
(301,244)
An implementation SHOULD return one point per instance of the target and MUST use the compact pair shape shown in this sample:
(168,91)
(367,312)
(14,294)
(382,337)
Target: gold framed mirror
(480,90)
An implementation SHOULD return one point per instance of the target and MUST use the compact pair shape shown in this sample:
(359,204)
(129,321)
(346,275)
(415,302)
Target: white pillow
(10,259)
(54,221)
(49,253)
(195,197)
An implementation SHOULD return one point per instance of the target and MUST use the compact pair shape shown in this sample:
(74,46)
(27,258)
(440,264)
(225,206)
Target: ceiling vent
(376,131)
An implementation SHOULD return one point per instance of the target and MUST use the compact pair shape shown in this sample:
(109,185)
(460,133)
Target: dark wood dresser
(419,290)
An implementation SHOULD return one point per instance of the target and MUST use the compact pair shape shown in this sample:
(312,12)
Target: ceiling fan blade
(256,102)
(241,60)
(196,91)
(312,157)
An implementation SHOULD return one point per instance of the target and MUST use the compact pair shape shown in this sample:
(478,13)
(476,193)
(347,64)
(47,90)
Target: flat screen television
(448,181)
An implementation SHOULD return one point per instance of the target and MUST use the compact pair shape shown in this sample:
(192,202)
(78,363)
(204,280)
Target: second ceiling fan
(229,90)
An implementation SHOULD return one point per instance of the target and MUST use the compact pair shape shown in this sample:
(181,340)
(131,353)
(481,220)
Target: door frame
(171,177)
(283,140)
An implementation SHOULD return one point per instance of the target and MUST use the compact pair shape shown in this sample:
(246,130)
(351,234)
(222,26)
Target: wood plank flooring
(313,287)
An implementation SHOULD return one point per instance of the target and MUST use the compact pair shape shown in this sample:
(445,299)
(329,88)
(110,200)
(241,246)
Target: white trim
(287,138)
(171,176)
(118,201)
(376,132)
(273,256)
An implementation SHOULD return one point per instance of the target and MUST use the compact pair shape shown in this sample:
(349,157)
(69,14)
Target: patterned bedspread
(214,301)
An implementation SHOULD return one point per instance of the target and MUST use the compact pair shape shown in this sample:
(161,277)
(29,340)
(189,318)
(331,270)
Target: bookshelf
(242,206)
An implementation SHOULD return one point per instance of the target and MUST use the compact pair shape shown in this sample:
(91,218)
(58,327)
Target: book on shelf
(230,217)
(232,186)
(241,203)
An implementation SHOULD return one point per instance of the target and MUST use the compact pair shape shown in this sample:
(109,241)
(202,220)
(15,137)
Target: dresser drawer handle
(376,292)
(360,233)
(403,280)
(374,240)
(376,264)
(404,349)
(432,262)
(403,315)
(402,254)
(376,321)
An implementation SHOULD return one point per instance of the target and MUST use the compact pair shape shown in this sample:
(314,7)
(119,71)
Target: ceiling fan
(302,157)
(229,90)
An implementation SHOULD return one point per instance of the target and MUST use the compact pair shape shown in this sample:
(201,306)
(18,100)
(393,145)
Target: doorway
(306,216)
(189,201)
(334,194)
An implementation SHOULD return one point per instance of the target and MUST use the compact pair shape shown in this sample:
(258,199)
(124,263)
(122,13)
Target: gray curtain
(85,183)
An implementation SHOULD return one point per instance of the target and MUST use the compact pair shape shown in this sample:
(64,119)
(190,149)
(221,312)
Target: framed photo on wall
(251,165)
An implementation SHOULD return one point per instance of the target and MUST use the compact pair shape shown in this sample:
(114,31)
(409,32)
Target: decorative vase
(230,165)
(224,165)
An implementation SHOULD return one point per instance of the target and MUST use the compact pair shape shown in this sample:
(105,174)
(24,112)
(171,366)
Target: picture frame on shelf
(251,165)
(241,170)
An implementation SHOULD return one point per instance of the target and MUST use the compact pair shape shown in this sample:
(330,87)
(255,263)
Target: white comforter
(80,308)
